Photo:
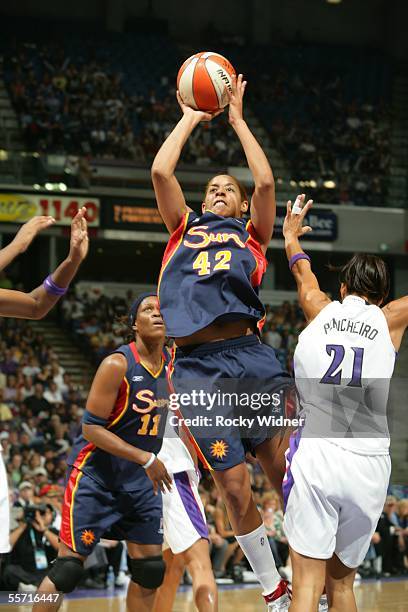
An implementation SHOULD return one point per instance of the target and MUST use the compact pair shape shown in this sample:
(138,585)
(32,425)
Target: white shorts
(333,499)
(4,509)
(184,519)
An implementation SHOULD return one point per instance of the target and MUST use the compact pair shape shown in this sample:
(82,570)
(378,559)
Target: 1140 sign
(20,207)
(67,209)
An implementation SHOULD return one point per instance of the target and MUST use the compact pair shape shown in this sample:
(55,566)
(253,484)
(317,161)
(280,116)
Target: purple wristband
(52,288)
(296,258)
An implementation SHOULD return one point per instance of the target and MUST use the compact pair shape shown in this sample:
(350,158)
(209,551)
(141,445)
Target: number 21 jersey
(343,364)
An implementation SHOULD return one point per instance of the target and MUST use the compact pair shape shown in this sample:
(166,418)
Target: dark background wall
(378,23)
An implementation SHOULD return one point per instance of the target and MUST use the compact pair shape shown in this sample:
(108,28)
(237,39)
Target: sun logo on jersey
(219,449)
(88,537)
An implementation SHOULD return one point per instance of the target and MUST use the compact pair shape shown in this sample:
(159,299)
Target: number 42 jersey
(343,364)
(212,269)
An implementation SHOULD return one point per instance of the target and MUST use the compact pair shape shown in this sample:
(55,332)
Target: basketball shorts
(234,374)
(184,519)
(333,499)
(4,509)
(90,512)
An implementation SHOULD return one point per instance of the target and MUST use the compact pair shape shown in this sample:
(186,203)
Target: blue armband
(91,419)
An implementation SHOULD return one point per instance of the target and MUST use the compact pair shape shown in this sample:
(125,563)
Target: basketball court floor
(372,596)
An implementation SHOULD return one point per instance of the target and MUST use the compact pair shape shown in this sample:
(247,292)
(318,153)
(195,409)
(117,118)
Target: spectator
(53,394)
(36,403)
(272,337)
(26,495)
(53,495)
(34,545)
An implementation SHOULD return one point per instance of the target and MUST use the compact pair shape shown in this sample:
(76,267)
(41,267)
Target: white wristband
(149,463)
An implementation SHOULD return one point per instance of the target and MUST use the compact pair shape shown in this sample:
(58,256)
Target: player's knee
(66,573)
(236,499)
(147,572)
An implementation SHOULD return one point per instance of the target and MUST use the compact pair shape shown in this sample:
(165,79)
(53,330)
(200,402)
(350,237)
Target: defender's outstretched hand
(293,224)
(79,237)
(29,231)
(198,114)
(236,99)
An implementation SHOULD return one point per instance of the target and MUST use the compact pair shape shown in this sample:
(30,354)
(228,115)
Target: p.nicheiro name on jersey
(353,327)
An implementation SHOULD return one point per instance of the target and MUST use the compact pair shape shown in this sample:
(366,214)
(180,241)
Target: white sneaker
(278,601)
(26,588)
(323,604)
(286,573)
(120,579)
(280,605)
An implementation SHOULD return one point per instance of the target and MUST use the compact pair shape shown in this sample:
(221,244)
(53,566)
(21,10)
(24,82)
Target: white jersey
(4,509)
(174,452)
(343,364)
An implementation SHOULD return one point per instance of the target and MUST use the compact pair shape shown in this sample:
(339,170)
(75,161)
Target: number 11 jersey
(343,364)
(135,418)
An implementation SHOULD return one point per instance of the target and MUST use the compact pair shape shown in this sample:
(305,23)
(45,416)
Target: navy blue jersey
(211,271)
(135,418)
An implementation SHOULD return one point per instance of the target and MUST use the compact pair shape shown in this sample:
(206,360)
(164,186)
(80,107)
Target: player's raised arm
(311,298)
(37,303)
(396,313)
(263,203)
(101,400)
(170,199)
(24,238)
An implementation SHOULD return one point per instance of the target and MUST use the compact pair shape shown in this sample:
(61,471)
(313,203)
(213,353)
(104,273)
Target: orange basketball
(204,80)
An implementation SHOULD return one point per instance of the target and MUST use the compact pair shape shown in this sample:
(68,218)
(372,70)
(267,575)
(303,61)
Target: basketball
(204,81)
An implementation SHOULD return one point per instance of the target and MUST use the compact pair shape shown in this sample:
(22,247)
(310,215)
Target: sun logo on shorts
(88,537)
(219,449)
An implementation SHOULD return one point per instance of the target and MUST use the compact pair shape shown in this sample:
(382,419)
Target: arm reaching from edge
(396,313)
(263,203)
(169,196)
(37,303)
(311,298)
(23,239)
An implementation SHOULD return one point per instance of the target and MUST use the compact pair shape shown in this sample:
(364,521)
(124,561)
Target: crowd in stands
(96,322)
(88,105)
(40,414)
(82,105)
(339,147)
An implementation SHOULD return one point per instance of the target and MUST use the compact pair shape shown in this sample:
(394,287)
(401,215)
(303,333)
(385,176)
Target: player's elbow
(37,311)
(88,432)
(306,296)
(159,173)
(265,183)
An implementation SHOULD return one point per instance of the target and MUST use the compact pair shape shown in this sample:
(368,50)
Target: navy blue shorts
(90,512)
(241,370)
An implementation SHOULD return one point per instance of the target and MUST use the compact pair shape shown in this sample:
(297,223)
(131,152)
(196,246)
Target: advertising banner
(20,207)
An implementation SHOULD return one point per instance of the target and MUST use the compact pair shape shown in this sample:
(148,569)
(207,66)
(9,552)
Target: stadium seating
(324,109)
